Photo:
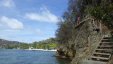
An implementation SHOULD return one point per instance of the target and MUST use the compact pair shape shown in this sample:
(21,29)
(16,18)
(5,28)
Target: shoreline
(40,50)
(32,49)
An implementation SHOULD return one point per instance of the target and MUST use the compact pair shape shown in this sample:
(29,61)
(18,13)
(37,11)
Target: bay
(8,56)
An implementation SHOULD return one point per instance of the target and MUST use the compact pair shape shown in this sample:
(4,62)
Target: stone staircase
(103,52)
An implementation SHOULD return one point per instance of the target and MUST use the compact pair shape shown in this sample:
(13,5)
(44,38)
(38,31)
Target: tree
(99,9)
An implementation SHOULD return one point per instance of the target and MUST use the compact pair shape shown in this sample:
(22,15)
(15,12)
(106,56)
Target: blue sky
(30,20)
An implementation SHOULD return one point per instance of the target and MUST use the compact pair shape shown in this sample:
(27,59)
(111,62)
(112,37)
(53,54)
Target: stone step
(106,41)
(103,50)
(103,59)
(105,55)
(102,53)
(92,62)
(107,38)
(105,47)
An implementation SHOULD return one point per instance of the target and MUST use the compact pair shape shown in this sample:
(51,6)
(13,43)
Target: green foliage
(64,32)
(65,27)
(34,45)
(11,46)
(95,11)
(23,46)
(16,46)
(45,44)
(103,13)
(99,9)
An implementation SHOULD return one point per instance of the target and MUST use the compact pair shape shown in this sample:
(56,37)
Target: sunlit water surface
(29,57)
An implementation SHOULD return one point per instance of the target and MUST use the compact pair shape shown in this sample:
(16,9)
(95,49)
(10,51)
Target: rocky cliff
(87,35)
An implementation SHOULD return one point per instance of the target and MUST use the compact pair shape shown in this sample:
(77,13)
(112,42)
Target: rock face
(87,36)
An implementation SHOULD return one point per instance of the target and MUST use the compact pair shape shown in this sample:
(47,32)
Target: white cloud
(7,3)
(11,23)
(43,16)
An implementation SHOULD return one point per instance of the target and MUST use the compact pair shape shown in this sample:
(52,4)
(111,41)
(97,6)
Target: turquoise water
(29,57)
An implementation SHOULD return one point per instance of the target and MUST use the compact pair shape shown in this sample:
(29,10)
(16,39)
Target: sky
(30,20)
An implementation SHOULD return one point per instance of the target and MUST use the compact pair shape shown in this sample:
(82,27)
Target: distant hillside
(13,44)
(44,44)
(8,44)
